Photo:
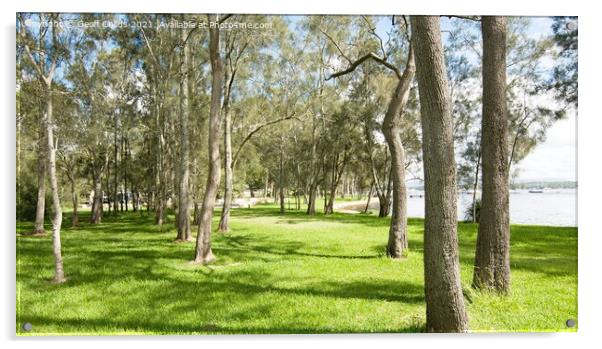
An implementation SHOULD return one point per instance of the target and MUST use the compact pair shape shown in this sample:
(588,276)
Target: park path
(354,207)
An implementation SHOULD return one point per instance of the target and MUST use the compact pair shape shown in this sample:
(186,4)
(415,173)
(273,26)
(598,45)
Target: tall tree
(183,194)
(203,241)
(44,52)
(445,310)
(236,44)
(392,126)
(492,262)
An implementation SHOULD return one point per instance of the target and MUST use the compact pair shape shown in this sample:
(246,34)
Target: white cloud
(555,158)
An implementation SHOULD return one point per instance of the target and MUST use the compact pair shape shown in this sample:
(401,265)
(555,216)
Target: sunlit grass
(276,274)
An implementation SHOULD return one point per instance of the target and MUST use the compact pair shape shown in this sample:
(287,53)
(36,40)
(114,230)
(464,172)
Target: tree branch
(336,45)
(470,18)
(223,19)
(255,130)
(372,30)
(355,64)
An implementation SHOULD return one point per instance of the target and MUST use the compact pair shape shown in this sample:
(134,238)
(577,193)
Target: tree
(492,262)
(392,126)
(445,310)
(45,53)
(99,77)
(203,241)
(183,194)
(236,44)
(159,52)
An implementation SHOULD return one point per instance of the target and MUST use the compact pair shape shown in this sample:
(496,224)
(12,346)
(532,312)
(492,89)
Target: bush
(468,211)
(27,201)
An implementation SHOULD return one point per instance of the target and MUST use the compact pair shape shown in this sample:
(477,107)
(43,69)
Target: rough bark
(398,240)
(445,310)
(492,262)
(203,242)
(184,175)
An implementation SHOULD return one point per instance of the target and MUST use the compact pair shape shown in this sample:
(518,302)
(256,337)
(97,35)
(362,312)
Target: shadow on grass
(256,244)
(175,298)
(206,328)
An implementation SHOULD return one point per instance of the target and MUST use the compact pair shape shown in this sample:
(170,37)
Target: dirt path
(354,207)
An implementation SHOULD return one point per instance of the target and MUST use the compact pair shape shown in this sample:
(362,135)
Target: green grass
(276,274)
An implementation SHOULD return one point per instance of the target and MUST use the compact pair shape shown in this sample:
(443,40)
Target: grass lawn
(276,274)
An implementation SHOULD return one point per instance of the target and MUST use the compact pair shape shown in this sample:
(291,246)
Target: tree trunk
(59,273)
(265,188)
(125,172)
(369,197)
(392,128)
(121,152)
(225,217)
(492,262)
(445,310)
(311,201)
(116,158)
(41,203)
(384,198)
(195,214)
(329,203)
(474,190)
(384,206)
(108,186)
(203,242)
(74,215)
(97,205)
(160,199)
(183,194)
(281,180)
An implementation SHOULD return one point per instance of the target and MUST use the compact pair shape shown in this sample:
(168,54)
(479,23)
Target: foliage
(27,199)
(471,211)
(564,82)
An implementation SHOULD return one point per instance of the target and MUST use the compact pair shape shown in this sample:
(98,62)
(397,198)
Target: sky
(556,158)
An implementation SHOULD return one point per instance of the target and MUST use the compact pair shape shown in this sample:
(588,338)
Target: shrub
(27,201)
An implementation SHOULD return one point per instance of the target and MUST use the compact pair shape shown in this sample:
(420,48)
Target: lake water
(552,207)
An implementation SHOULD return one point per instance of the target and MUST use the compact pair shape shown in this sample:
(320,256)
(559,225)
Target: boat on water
(536,191)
